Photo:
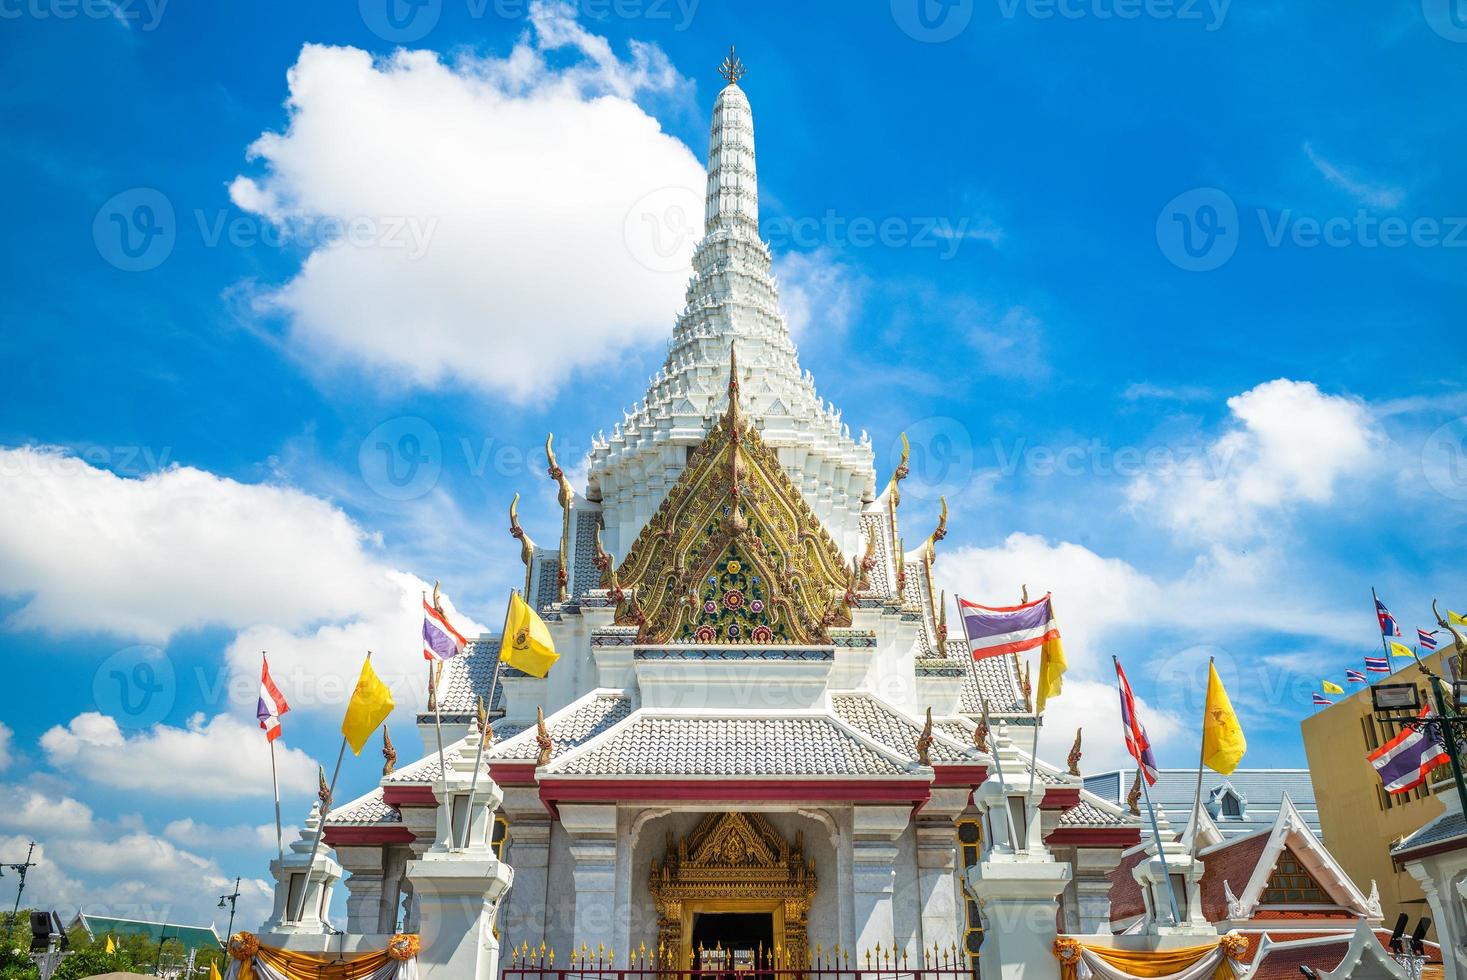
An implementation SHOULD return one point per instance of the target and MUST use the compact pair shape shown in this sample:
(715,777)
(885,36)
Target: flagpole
(1155,827)
(1201,757)
(1385,645)
(320,829)
(1038,721)
(435,666)
(275,780)
(993,749)
(479,756)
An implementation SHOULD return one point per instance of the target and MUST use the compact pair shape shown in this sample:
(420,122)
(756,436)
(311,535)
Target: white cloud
(1290,444)
(188,832)
(31,809)
(1095,707)
(817,290)
(520,188)
(1367,192)
(181,549)
(203,760)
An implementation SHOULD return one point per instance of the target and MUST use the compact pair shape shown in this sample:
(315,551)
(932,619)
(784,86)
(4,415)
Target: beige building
(1356,816)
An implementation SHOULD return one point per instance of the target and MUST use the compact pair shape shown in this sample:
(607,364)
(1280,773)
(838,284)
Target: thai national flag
(1355,676)
(272,703)
(1321,699)
(440,640)
(1388,624)
(1136,741)
(1405,761)
(1378,665)
(997,630)
(1425,639)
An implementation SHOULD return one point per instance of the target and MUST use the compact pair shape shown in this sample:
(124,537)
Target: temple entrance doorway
(735,882)
(732,940)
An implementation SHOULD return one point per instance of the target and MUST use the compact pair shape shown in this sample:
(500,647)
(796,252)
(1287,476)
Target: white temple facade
(759,735)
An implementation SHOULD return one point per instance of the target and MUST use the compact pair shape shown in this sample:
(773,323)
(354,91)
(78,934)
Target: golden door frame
(733,862)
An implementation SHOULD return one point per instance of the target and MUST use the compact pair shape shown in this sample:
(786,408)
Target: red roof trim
(1096,836)
(513,773)
(555,791)
(408,794)
(389,834)
(960,775)
(1060,798)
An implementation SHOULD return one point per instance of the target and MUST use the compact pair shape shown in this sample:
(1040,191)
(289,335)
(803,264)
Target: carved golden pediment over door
(734,862)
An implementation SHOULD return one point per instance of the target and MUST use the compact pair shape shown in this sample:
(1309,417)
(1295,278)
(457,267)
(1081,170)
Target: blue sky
(1168,299)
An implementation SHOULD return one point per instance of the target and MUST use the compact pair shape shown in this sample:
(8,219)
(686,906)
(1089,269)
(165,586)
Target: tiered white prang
(731,299)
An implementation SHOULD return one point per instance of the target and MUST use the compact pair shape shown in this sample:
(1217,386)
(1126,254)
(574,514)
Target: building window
(1232,807)
(1292,884)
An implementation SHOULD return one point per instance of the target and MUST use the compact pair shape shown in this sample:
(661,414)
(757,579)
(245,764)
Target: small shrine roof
(369,810)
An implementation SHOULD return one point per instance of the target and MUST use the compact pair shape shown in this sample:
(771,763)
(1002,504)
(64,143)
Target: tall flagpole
(279,838)
(993,749)
(1385,644)
(1151,811)
(320,829)
(1201,755)
(479,756)
(435,667)
(1038,722)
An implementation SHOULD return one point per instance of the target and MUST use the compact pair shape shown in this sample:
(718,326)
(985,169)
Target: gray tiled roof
(1444,828)
(1092,811)
(881,724)
(573,725)
(365,811)
(802,745)
(876,524)
(1261,792)
(468,677)
(991,677)
(427,770)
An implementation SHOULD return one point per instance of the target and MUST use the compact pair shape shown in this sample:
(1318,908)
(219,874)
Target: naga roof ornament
(734,554)
(564,494)
(527,545)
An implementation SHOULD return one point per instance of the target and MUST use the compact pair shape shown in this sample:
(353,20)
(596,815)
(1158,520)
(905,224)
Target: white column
(593,843)
(458,883)
(293,875)
(1017,882)
(937,842)
(873,873)
(524,917)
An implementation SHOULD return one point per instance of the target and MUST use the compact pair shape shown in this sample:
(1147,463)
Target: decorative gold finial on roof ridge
(732,68)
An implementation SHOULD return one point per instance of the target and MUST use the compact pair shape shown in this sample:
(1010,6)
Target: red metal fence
(718,964)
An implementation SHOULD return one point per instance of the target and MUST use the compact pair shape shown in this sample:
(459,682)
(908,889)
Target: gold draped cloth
(1213,961)
(252,961)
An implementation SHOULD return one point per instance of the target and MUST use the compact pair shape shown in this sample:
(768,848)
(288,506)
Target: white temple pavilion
(759,735)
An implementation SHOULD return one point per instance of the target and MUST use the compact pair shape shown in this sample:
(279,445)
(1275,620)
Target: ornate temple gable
(734,554)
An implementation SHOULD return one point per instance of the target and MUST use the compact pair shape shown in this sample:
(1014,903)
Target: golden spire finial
(732,68)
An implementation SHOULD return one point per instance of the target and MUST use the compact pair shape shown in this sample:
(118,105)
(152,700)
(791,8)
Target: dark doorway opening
(729,941)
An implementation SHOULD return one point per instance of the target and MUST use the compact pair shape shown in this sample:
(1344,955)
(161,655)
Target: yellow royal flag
(526,644)
(214,971)
(1223,743)
(370,705)
(1456,618)
(1330,687)
(1401,650)
(1051,670)
(111,946)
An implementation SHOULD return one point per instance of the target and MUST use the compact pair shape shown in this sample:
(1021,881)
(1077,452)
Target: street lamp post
(231,899)
(20,869)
